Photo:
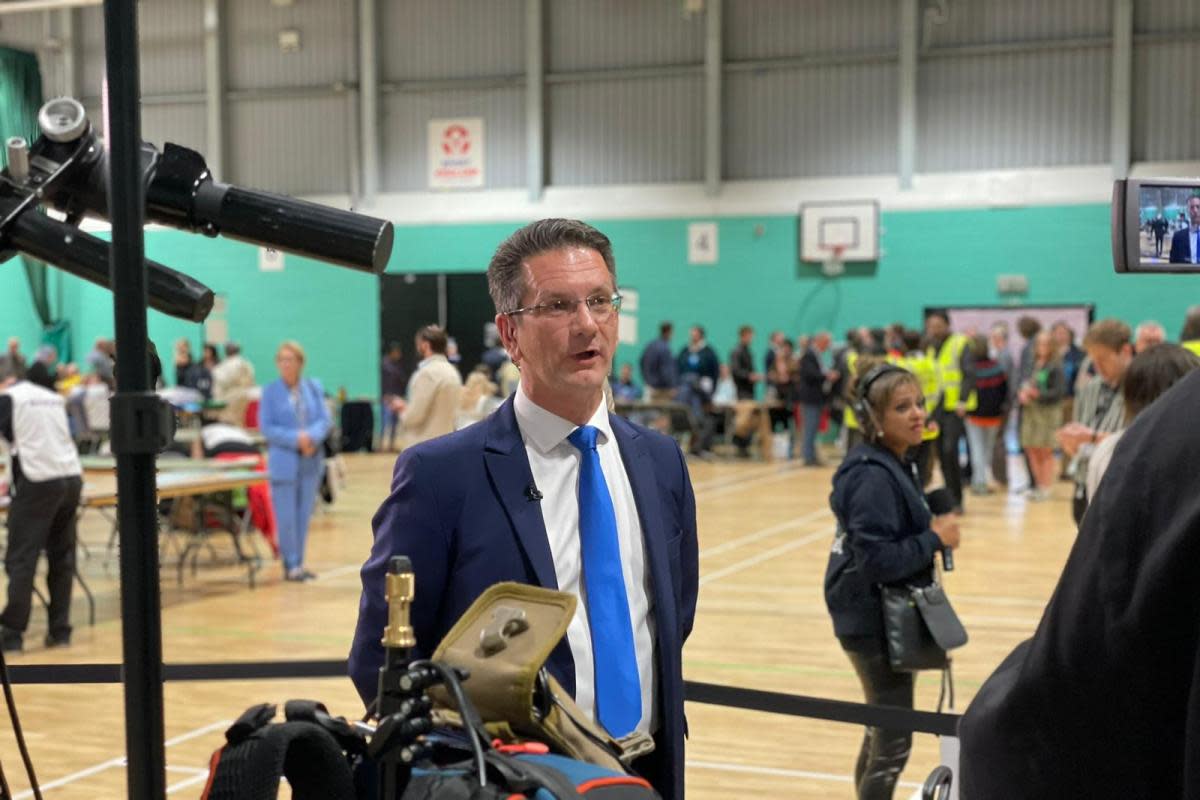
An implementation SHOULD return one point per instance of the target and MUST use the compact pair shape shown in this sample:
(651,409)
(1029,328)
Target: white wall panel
(405,121)
(293,146)
(787,28)
(1166,16)
(990,21)
(626,131)
(181,124)
(171,35)
(429,39)
(327,36)
(811,122)
(1020,110)
(1166,102)
(598,34)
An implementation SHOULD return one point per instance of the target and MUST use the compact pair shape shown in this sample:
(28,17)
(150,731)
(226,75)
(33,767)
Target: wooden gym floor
(764,533)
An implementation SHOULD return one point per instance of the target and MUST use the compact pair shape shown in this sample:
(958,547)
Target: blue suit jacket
(281,427)
(1181,248)
(459,510)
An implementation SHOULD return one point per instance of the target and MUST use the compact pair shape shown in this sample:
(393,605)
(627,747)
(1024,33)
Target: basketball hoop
(833,265)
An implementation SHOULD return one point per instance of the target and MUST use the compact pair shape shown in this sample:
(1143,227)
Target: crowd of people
(1054,396)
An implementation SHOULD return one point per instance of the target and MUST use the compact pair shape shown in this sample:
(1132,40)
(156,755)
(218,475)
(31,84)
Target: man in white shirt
(233,384)
(46,488)
(434,391)
(554,491)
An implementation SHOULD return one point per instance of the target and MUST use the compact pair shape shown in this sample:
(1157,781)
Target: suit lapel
(285,403)
(508,467)
(640,469)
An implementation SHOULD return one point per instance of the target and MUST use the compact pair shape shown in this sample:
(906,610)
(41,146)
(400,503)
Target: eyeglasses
(601,306)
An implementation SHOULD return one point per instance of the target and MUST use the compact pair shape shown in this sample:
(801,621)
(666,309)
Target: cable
(470,716)
(5,792)
(16,723)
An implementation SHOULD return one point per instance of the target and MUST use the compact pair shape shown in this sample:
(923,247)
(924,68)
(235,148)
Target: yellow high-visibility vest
(949,364)
(1193,345)
(925,369)
(848,417)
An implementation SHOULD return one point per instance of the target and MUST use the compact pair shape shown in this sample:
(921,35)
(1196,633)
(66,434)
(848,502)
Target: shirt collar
(545,430)
(435,357)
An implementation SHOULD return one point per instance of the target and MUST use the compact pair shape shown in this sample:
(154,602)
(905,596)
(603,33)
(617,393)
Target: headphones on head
(860,406)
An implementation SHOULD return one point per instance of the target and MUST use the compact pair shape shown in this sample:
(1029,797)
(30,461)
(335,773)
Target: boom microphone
(182,193)
(941,502)
(86,257)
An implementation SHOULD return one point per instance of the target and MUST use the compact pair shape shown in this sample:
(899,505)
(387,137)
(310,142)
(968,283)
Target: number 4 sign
(702,243)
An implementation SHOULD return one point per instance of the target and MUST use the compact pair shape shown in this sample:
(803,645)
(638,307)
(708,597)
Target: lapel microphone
(531,492)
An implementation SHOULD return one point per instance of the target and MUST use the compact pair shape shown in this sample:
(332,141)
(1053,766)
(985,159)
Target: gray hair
(506,280)
(1150,326)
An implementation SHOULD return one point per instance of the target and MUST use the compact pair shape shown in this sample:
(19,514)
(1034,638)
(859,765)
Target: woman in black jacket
(886,534)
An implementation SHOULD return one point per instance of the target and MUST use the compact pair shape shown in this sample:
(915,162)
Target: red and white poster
(456,153)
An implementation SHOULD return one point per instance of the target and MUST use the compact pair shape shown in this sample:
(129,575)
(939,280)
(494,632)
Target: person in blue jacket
(885,535)
(295,422)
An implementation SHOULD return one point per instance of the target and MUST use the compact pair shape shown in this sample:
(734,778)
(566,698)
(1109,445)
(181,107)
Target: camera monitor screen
(1156,226)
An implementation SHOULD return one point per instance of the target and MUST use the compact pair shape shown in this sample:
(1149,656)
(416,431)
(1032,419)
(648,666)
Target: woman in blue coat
(294,421)
(886,534)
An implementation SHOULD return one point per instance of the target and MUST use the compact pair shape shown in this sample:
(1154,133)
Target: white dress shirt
(555,465)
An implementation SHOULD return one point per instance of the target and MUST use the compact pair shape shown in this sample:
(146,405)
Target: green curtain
(20,99)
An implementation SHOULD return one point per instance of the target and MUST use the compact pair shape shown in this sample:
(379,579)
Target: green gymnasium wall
(17,317)
(929,258)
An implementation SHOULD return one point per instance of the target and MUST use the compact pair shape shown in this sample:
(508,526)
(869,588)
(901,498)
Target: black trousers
(42,517)
(884,752)
(953,430)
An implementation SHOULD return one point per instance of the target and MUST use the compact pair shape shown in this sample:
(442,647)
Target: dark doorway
(468,308)
(459,302)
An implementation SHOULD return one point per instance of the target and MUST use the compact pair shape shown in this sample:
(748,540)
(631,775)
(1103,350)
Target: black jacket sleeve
(1056,386)
(741,364)
(885,547)
(6,417)
(810,370)
(967,365)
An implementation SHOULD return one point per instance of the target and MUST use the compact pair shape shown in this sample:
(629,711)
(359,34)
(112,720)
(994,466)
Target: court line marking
(188,770)
(718,766)
(120,762)
(184,784)
(337,572)
(763,533)
(749,538)
(722,491)
(732,480)
(744,564)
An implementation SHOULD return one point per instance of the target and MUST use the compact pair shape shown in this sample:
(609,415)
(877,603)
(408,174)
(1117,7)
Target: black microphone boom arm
(67,169)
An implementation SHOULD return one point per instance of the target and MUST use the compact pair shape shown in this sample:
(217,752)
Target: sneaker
(299,575)
(57,640)
(11,641)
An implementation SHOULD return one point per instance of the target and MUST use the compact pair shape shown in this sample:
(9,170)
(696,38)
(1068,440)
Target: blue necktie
(618,691)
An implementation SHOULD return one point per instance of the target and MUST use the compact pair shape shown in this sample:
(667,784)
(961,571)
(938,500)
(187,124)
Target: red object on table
(262,512)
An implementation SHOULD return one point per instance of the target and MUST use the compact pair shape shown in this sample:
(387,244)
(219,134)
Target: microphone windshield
(940,501)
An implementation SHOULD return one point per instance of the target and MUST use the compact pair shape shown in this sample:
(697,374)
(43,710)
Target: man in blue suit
(551,490)
(1185,246)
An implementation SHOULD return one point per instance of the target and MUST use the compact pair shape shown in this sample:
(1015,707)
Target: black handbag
(920,627)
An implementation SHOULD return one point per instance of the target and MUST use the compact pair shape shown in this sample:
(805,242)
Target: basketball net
(834,265)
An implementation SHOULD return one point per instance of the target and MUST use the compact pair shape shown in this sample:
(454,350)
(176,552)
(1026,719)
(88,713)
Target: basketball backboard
(851,227)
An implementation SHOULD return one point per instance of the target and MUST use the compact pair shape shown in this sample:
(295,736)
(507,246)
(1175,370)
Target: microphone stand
(141,622)
(68,168)
(398,641)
